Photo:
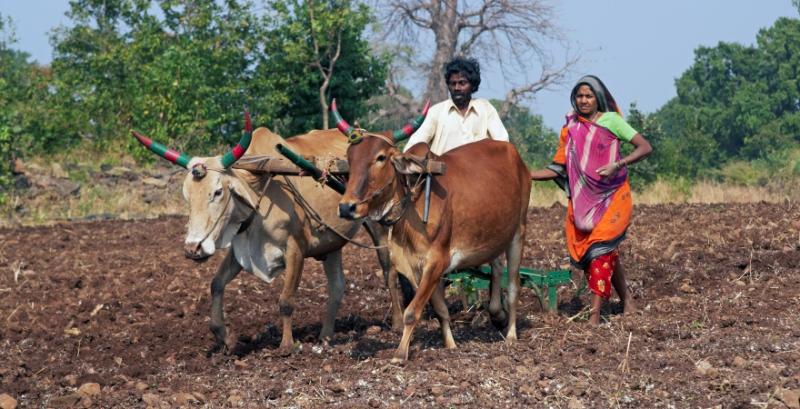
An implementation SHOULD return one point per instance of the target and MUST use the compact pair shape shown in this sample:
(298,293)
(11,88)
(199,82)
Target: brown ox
(265,224)
(477,211)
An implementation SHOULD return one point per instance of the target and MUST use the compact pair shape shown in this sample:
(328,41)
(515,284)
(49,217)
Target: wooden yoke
(283,166)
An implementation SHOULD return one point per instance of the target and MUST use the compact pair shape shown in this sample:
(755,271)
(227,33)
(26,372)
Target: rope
(249,218)
(313,215)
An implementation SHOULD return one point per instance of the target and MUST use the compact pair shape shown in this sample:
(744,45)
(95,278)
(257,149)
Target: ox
(270,223)
(478,210)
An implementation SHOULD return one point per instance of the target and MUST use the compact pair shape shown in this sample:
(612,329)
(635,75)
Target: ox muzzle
(347,210)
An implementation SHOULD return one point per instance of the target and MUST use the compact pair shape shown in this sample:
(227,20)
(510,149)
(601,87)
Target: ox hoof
(501,321)
(230,342)
(397,325)
(400,357)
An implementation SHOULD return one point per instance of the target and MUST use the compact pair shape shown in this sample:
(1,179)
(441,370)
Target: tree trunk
(444,25)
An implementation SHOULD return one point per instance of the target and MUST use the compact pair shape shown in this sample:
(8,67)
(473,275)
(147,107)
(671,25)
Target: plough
(543,283)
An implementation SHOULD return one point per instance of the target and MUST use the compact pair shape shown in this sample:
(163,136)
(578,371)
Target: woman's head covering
(605,102)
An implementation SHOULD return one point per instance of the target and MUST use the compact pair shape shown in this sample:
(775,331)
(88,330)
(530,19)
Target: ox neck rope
(397,210)
(249,220)
(216,222)
(246,223)
(314,215)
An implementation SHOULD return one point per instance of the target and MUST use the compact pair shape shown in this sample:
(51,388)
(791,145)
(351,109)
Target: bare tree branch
(509,33)
(326,72)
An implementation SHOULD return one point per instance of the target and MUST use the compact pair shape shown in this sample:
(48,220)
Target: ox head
(211,189)
(376,169)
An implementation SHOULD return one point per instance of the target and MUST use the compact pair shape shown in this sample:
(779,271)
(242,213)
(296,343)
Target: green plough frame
(541,282)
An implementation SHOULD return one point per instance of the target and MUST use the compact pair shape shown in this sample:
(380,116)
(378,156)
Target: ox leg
(514,256)
(440,306)
(286,302)
(226,271)
(333,270)
(379,238)
(431,274)
(496,311)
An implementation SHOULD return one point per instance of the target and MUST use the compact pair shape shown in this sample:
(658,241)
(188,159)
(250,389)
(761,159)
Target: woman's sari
(599,208)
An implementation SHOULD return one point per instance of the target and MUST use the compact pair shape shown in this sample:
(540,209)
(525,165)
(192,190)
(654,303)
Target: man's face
(460,88)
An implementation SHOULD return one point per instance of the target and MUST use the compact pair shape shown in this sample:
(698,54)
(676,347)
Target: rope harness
(246,223)
(314,215)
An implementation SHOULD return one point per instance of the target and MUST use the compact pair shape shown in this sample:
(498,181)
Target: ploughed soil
(110,314)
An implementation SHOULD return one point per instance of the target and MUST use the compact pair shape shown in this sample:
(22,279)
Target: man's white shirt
(444,128)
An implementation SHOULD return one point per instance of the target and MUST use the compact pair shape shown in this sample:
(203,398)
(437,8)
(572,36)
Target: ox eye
(380,158)
(217,193)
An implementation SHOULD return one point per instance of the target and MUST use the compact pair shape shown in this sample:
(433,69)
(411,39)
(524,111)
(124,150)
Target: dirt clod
(150,339)
(90,389)
(7,402)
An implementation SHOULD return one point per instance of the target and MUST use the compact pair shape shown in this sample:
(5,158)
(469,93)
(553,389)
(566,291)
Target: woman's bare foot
(628,306)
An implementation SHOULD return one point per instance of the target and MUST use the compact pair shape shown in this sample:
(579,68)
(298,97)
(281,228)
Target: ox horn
(353,135)
(171,155)
(183,160)
(411,127)
(234,154)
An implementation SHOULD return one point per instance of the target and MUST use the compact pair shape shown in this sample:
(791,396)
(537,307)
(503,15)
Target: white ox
(261,218)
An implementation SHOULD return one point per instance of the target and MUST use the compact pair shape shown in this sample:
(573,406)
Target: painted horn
(409,128)
(234,154)
(351,133)
(171,155)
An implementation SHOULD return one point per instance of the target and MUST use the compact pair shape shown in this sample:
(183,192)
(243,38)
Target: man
(460,119)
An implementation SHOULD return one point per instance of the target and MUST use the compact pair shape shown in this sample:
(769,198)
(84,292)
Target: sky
(637,47)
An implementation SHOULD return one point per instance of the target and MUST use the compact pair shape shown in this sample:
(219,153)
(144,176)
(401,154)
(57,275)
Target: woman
(588,166)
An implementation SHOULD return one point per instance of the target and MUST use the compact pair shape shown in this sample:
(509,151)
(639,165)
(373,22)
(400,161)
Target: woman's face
(585,101)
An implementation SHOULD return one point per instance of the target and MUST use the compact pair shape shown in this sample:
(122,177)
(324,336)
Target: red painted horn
(409,128)
(171,155)
(341,124)
(238,151)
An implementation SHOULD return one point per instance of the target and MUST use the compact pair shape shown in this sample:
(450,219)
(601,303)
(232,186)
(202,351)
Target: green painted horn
(406,131)
(171,155)
(238,151)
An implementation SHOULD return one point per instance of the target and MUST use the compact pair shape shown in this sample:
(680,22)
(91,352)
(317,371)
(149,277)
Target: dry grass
(127,200)
(546,194)
(94,201)
(711,192)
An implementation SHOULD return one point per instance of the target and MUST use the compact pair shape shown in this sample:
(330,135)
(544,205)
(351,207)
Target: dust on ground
(110,314)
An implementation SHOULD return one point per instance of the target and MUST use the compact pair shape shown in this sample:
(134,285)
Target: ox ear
(239,186)
(409,164)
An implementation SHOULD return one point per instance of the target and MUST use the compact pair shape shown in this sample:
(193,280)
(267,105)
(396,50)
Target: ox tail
(171,155)
(238,151)
(411,127)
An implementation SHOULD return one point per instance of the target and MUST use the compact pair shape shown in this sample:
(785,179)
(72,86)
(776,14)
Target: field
(110,314)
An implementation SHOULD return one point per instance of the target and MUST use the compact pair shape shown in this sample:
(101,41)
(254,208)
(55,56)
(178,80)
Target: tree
(744,98)
(511,31)
(319,47)
(21,96)
(535,142)
(184,75)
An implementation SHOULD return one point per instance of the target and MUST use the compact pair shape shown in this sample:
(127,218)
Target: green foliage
(181,71)
(735,103)
(535,142)
(293,81)
(15,93)
(181,79)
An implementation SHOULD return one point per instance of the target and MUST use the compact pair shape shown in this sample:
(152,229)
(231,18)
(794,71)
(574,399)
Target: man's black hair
(468,67)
